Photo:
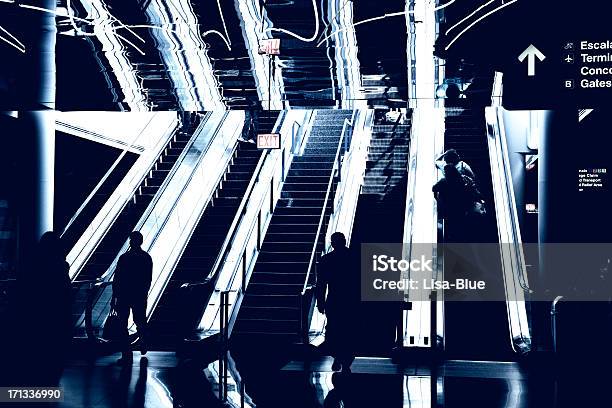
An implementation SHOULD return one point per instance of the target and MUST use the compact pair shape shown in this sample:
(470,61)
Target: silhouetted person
(43,326)
(338,277)
(452,93)
(452,157)
(453,202)
(131,286)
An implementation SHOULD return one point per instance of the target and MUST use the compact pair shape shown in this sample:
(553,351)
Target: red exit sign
(270,46)
(268,141)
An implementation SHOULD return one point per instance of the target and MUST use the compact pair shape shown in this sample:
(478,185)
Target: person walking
(337,294)
(131,286)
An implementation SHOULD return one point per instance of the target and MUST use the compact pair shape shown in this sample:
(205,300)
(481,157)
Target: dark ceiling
(202,54)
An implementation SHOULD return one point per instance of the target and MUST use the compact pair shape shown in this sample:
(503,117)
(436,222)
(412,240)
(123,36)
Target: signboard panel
(268,141)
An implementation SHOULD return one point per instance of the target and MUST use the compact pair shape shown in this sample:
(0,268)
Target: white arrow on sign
(531,53)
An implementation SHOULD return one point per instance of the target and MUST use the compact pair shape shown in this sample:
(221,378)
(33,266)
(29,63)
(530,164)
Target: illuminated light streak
(170,30)
(15,39)
(386,15)
(228,42)
(130,43)
(468,16)
(312,38)
(444,5)
(495,10)
(12,44)
(127,27)
(368,20)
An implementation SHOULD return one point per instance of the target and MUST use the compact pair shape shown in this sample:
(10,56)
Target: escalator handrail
(241,212)
(241,289)
(182,155)
(336,170)
(167,181)
(495,128)
(108,275)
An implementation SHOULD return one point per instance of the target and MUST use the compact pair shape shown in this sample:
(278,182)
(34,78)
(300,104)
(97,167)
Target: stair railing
(232,270)
(239,218)
(345,199)
(307,297)
(299,131)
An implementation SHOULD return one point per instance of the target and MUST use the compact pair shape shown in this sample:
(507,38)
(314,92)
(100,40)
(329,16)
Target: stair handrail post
(294,135)
(89,312)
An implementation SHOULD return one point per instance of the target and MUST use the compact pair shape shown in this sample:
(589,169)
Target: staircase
(271,306)
(379,218)
(111,244)
(178,311)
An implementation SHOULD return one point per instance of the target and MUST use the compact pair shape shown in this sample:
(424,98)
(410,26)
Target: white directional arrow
(531,53)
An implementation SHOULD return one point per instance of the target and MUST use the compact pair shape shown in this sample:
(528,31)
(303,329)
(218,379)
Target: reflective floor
(160,380)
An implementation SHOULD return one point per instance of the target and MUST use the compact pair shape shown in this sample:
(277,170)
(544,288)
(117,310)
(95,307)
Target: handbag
(112,326)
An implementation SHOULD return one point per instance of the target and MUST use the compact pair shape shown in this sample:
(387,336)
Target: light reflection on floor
(164,381)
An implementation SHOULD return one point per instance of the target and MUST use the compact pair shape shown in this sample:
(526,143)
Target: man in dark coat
(131,286)
(338,296)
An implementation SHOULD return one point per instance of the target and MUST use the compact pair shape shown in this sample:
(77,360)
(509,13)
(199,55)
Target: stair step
(287,267)
(280,313)
(270,300)
(276,253)
(292,228)
(269,288)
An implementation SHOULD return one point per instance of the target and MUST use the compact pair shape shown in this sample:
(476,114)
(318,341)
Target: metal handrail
(293,134)
(553,321)
(335,170)
(243,250)
(522,279)
(240,213)
(202,123)
(257,222)
(106,278)
(169,177)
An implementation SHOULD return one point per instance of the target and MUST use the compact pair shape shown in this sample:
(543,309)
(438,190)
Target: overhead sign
(531,53)
(270,46)
(268,141)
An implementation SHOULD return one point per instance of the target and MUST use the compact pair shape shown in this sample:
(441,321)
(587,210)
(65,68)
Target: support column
(35,147)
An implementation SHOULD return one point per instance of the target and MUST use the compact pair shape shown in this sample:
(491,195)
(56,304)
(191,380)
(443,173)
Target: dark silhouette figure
(43,326)
(454,201)
(131,286)
(338,277)
(452,157)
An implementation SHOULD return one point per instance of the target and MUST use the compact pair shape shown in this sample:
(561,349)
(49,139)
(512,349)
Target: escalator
(76,227)
(103,256)
(178,311)
(270,309)
(380,208)
(477,329)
